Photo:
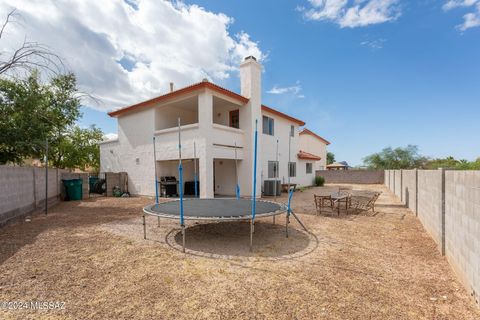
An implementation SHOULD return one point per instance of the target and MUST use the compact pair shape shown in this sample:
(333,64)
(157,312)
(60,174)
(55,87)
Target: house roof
(179,92)
(307,156)
(192,88)
(337,165)
(306,131)
(283,115)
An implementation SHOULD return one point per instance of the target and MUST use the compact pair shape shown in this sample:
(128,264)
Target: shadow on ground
(232,239)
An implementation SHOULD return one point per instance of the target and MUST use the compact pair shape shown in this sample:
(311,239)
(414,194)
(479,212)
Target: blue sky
(411,76)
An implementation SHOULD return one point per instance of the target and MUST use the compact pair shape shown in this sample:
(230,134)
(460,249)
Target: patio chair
(323,201)
(323,198)
(363,202)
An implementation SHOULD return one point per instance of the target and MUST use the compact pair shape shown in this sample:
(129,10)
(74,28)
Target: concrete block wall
(116,179)
(398,183)
(462,226)
(22,191)
(448,205)
(392,179)
(430,202)
(409,189)
(352,176)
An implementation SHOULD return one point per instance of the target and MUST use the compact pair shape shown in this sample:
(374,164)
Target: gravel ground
(91,256)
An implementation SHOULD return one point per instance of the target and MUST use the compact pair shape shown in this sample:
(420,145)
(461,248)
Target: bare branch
(7,20)
(30,55)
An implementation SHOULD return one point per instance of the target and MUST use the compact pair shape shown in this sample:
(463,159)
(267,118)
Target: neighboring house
(218,122)
(342,165)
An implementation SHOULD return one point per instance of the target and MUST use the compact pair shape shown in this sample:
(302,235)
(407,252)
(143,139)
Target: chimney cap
(250,58)
(204,80)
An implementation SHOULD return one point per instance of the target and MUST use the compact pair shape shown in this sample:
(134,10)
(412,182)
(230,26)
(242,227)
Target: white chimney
(251,88)
(250,78)
(171,86)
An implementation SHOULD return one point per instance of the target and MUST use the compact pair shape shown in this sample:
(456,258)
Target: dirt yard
(91,256)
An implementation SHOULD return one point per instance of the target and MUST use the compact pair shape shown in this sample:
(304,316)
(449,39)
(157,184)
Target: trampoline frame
(283,209)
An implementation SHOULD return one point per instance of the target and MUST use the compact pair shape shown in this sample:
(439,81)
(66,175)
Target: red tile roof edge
(306,131)
(309,156)
(179,92)
(283,115)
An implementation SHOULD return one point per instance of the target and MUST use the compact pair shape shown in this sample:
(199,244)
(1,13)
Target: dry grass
(92,256)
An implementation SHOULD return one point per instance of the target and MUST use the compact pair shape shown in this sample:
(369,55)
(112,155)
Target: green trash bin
(73,188)
(91,183)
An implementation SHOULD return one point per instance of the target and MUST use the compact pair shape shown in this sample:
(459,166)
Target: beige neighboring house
(219,123)
(338,166)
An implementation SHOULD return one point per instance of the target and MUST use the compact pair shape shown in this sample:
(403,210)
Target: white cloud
(451,4)
(110,136)
(158,42)
(295,90)
(352,13)
(471,19)
(374,44)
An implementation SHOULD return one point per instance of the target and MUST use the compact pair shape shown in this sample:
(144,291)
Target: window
(268,124)
(292,169)
(309,167)
(234,119)
(272,169)
(292,131)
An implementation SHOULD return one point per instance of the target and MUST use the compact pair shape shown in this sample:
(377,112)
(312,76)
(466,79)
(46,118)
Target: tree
(29,56)
(447,163)
(78,149)
(330,158)
(398,158)
(452,163)
(31,112)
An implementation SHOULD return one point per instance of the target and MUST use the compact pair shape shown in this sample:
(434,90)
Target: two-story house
(220,125)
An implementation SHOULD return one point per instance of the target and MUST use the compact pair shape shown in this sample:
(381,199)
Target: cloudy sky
(364,74)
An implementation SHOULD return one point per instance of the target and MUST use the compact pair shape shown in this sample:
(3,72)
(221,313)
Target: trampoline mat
(215,209)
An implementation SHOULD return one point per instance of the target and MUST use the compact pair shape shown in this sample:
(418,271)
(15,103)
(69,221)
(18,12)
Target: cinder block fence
(352,176)
(22,189)
(447,202)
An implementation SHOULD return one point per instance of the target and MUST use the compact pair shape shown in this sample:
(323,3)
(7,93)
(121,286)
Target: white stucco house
(218,121)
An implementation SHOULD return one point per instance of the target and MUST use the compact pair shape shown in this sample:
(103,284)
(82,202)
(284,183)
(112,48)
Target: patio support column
(205,152)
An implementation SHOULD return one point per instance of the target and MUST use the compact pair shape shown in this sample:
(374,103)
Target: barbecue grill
(168,186)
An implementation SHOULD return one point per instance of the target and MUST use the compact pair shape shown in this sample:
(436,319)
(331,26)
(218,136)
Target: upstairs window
(309,168)
(292,169)
(268,126)
(235,119)
(292,131)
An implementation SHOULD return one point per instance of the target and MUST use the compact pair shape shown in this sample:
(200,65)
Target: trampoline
(218,209)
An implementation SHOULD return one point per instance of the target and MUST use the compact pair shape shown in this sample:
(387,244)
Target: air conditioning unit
(269,187)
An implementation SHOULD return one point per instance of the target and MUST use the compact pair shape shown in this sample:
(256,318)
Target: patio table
(338,197)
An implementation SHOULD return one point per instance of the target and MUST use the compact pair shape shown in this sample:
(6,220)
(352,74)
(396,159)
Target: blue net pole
(155,166)
(195,169)
(237,187)
(254,171)
(180,174)
(290,195)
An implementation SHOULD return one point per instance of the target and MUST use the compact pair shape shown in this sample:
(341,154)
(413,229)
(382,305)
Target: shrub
(319,181)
